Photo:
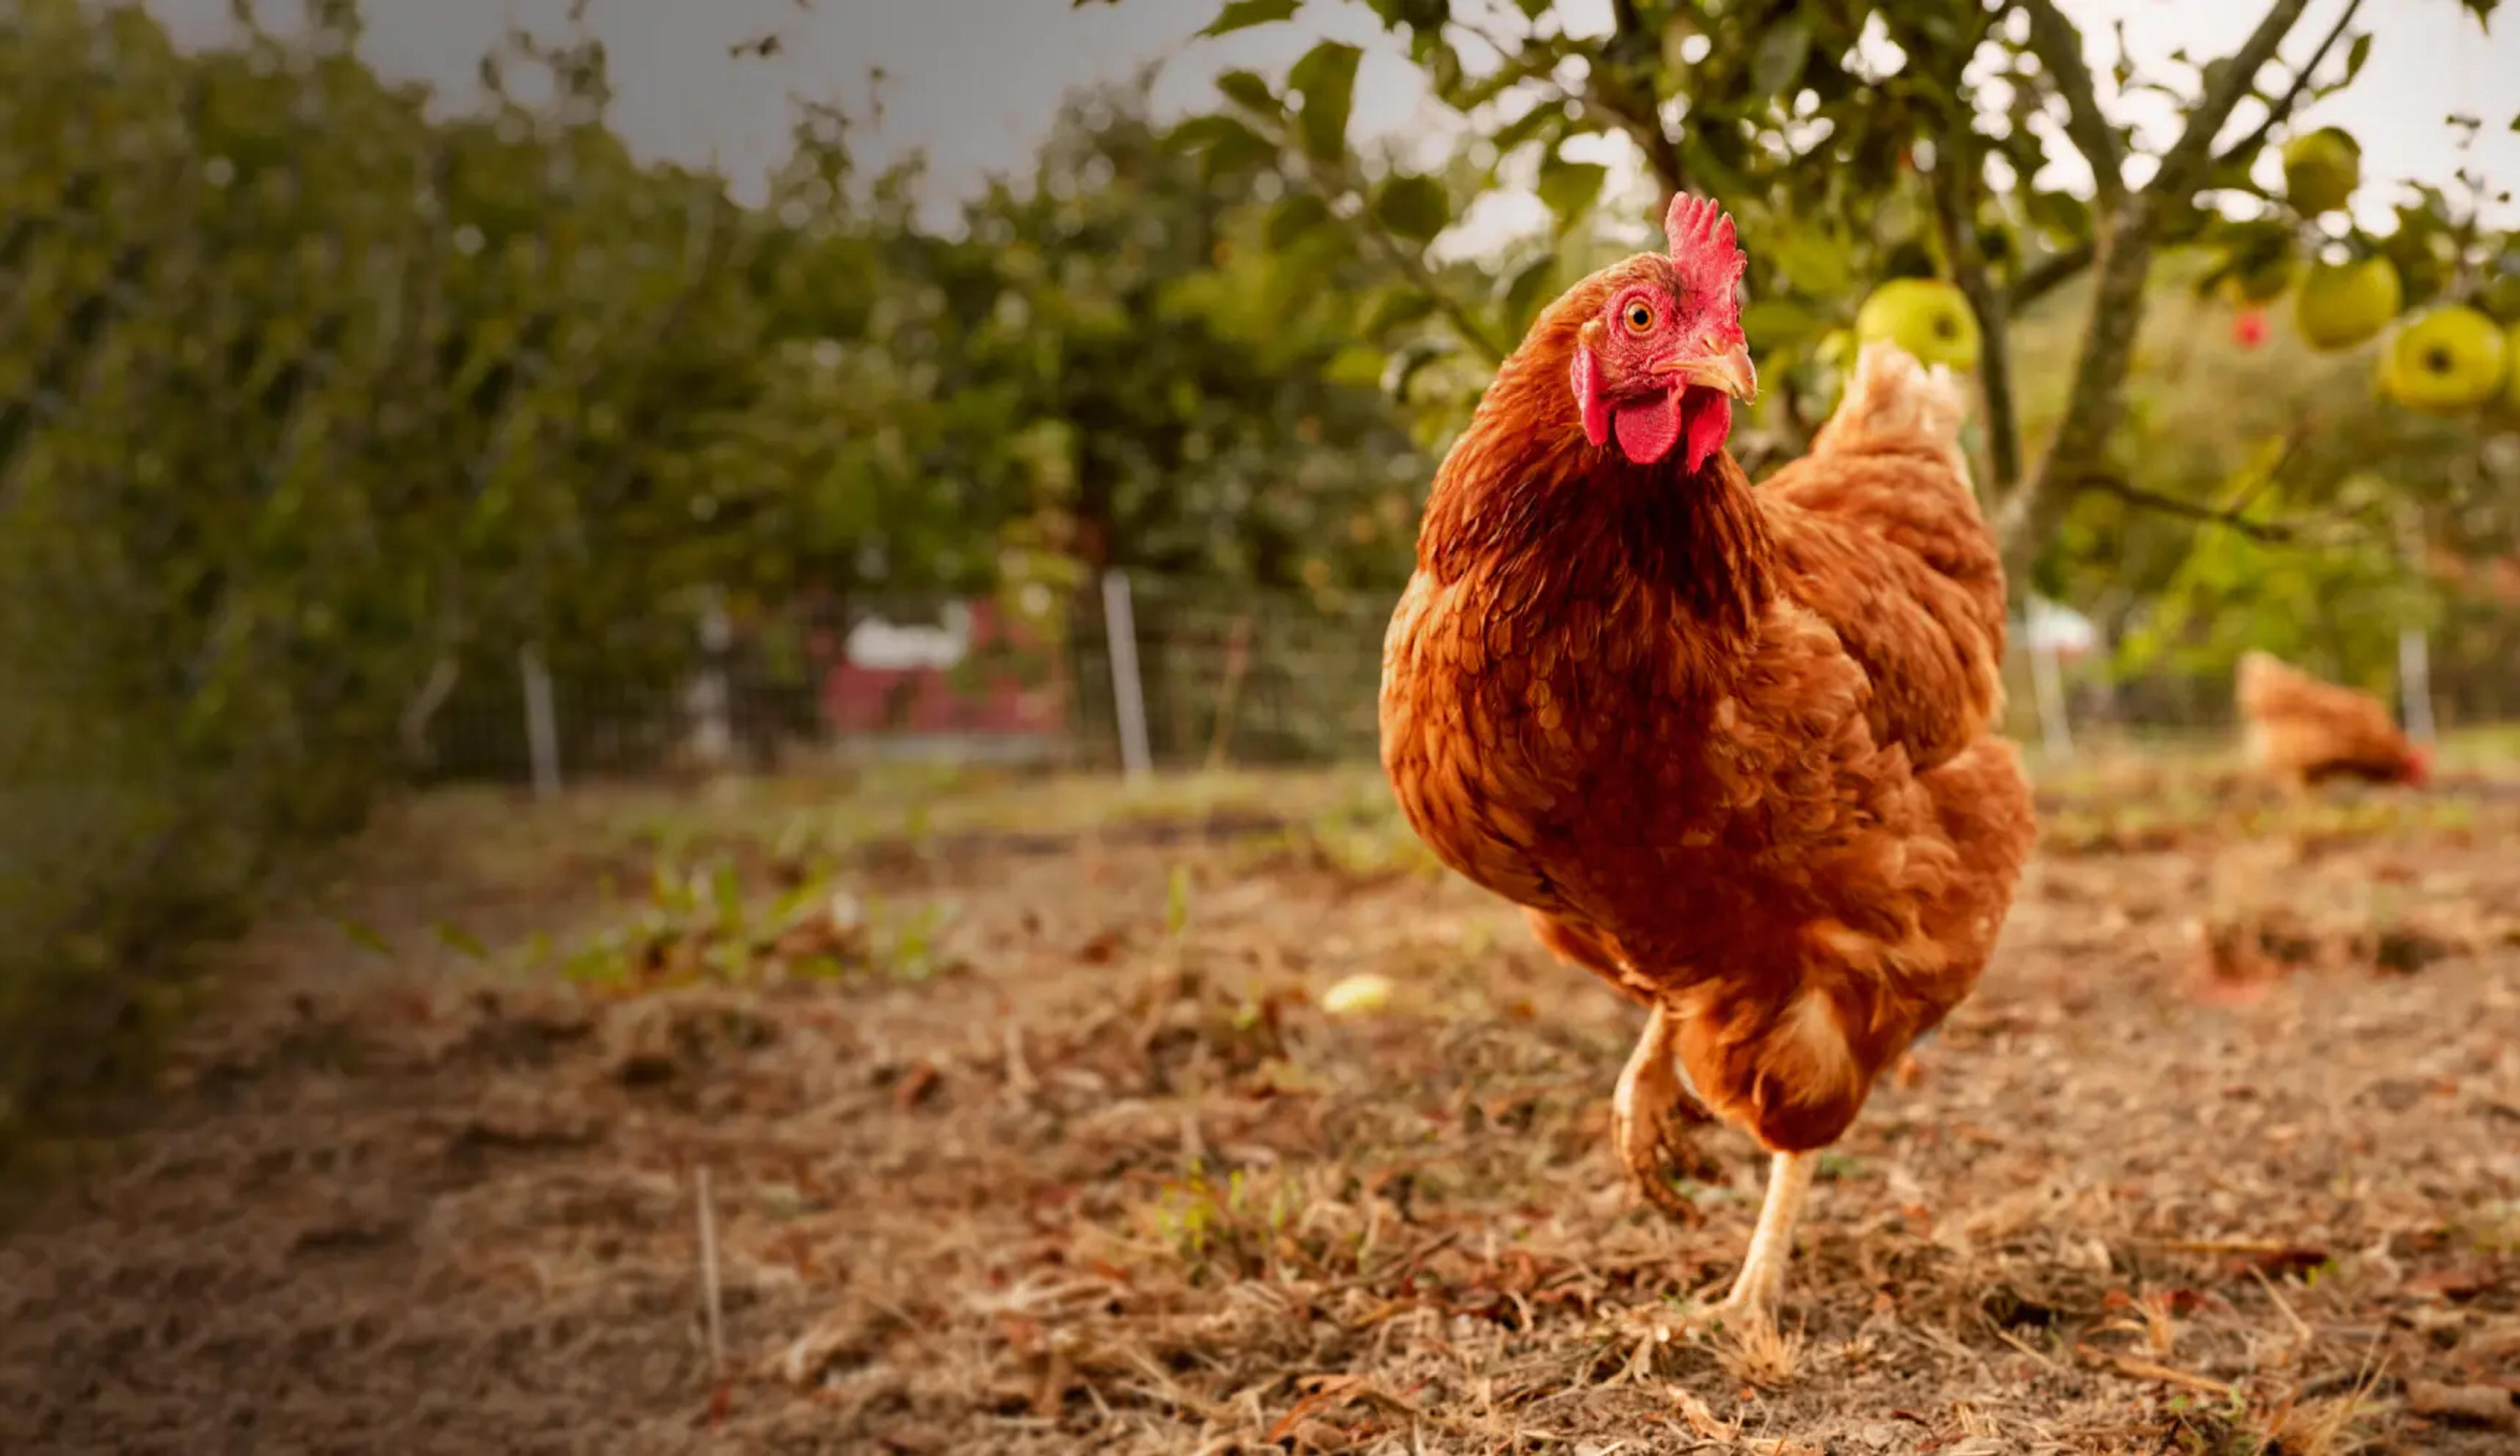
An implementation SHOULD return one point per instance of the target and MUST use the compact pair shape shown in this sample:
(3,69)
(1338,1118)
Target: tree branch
(2283,466)
(2049,274)
(2186,156)
(1422,278)
(2125,252)
(2056,270)
(2057,42)
(1954,184)
(1618,91)
(2277,110)
(2227,517)
(1611,94)
(1339,182)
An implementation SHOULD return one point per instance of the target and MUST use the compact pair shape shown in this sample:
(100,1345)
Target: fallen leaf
(2450,1284)
(1702,1420)
(914,1085)
(2490,1406)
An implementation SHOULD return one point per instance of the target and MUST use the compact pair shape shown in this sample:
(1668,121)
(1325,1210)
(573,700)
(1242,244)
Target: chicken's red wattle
(1648,428)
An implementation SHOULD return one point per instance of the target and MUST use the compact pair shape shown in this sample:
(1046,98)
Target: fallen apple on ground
(1360,994)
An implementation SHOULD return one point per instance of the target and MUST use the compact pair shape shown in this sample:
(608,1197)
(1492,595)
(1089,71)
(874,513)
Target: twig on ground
(713,1304)
(2139,1368)
(2301,1327)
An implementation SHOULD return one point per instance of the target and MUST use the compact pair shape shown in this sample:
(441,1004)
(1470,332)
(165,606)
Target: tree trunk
(2097,402)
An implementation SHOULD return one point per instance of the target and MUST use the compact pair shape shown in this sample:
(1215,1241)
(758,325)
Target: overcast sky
(972,83)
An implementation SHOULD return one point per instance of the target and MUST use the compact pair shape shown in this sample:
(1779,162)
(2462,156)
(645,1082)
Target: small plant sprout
(1176,902)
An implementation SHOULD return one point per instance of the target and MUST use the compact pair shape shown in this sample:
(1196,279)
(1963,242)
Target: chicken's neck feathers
(1552,522)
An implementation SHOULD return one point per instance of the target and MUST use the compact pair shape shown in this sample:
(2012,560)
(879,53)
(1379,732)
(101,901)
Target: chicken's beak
(1730,373)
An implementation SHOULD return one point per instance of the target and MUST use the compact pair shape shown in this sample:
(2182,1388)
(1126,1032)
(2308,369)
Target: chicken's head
(1661,359)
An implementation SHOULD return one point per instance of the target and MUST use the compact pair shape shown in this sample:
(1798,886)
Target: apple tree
(1906,170)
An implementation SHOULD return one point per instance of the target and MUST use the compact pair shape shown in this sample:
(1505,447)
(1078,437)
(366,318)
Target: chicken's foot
(1762,1271)
(1650,1116)
(1751,1310)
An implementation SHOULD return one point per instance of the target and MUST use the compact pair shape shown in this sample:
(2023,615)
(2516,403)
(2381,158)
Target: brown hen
(2302,732)
(1732,748)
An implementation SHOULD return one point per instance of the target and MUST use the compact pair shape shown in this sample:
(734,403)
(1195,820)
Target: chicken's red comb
(1705,251)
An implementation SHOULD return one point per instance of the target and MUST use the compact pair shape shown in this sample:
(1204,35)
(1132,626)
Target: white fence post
(2047,685)
(711,698)
(2415,683)
(542,726)
(1128,690)
(2414,647)
(2039,624)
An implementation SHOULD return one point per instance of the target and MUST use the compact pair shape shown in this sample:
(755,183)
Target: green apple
(2321,168)
(1924,316)
(2448,361)
(2260,283)
(2346,304)
(2511,367)
(2500,298)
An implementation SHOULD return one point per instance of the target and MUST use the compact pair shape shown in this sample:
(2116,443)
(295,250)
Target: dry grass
(1081,1164)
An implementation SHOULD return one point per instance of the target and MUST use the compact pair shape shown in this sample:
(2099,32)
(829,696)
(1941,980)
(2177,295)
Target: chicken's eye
(1639,317)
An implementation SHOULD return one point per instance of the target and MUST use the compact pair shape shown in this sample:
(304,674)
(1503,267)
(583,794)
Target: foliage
(1855,141)
(2336,609)
(317,404)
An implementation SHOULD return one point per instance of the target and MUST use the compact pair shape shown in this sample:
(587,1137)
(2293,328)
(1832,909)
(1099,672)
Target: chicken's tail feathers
(2258,677)
(1891,394)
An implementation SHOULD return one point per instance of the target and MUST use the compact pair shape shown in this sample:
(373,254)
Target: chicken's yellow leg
(1648,1117)
(1763,1272)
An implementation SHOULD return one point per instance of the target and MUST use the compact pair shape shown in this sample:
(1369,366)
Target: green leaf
(1442,63)
(1408,362)
(1326,78)
(1412,207)
(1529,127)
(1243,14)
(1570,188)
(2356,55)
(1226,144)
(2061,214)
(1816,264)
(1246,89)
(1420,16)
(1396,310)
(1199,133)
(460,941)
(1781,324)
(1296,214)
(366,937)
(1782,53)
(1238,155)
(1528,290)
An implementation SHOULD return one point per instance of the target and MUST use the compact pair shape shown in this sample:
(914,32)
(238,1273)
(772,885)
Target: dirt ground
(951,1148)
